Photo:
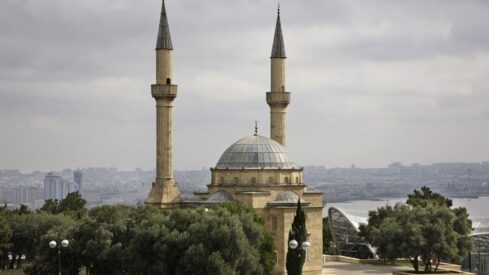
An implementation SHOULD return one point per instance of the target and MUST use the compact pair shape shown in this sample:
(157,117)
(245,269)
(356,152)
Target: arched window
(297,180)
(286,180)
(236,180)
(253,180)
(168,81)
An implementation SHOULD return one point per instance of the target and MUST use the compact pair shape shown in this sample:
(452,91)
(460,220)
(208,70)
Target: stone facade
(164,192)
(278,214)
(255,171)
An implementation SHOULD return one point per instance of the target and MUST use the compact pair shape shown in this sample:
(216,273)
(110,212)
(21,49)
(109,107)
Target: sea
(478,208)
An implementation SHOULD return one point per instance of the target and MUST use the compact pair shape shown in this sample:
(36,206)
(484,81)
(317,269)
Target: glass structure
(344,228)
(255,152)
(478,261)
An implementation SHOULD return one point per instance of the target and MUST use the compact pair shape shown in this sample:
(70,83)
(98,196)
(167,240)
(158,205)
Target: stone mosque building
(255,171)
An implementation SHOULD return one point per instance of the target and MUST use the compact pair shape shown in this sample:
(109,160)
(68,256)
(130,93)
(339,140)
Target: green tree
(46,259)
(23,233)
(195,242)
(255,231)
(50,206)
(73,205)
(5,236)
(328,243)
(28,231)
(22,210)
(117,219)
(425,230)
(227,239)
(92,242)
(425,197)
(298,232)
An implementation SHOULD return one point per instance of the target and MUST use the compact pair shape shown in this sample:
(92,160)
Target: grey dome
(288,196)
(220,196)
(255,152)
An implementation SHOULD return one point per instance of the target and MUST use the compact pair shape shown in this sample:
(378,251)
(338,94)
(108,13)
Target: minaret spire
(164,38)
(278,98)
(164,192)
(278,48)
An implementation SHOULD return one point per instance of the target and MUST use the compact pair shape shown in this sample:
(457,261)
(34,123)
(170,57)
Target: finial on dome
(278,10)
(256,127)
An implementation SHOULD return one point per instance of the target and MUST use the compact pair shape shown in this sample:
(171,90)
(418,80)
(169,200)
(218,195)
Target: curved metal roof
(255,152)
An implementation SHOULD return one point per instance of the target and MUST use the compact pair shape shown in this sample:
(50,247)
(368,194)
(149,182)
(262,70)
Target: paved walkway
(340,268)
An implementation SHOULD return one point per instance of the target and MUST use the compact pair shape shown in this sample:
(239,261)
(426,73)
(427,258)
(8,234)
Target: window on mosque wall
(270,180)
(253,180)
(297,180)
(286,180)
(221,180)
(236,180)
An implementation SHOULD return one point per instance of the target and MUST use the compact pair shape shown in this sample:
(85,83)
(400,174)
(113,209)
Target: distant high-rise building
(25,195)
(77,178)
(57,188)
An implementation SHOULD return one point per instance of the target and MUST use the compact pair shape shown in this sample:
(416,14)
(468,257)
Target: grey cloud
(75,76)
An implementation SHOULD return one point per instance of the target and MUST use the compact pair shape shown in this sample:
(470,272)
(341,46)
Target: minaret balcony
(278,98)
(164,91)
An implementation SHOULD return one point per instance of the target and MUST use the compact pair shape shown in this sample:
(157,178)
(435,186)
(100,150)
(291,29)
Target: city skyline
(372,83)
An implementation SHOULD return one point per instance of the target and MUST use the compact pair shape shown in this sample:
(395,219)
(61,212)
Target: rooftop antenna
(256,127)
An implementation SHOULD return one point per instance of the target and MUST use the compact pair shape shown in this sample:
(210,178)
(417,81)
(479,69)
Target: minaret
(164,193)
(278,98)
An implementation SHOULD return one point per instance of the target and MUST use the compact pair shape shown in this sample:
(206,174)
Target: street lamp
(293,244)
(53,244)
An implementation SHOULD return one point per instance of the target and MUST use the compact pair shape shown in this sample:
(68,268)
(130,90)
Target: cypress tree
(296,257)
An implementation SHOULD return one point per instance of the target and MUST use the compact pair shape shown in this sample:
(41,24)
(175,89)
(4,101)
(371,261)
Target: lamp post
(53,244)
(293,244)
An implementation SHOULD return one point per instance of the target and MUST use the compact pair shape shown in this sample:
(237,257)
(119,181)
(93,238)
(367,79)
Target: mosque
(255,171)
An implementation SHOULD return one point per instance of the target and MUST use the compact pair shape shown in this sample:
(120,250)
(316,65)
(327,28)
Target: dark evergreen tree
(296,257)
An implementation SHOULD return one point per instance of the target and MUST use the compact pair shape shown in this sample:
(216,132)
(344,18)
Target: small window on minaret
(168,81)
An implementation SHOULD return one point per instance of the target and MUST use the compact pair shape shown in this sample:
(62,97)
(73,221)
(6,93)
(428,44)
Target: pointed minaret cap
(278,48)
(164,39)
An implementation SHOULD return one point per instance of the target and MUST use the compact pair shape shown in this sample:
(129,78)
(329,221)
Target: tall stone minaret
(278,98)
(164,193)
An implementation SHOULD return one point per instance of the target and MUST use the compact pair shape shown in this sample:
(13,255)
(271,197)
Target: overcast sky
(372,82)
